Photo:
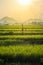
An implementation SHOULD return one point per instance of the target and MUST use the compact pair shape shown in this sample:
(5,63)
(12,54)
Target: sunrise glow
(24,2)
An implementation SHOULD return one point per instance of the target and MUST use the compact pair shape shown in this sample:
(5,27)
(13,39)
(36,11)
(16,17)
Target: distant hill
(7,21)
(34,21)
(10,21)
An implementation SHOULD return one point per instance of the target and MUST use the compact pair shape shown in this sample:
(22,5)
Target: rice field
(21,45)
(21,53)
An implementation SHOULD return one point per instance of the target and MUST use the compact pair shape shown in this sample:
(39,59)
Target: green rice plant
(26,50)
(21,53)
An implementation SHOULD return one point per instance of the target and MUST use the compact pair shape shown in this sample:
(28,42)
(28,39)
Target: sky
(13,9)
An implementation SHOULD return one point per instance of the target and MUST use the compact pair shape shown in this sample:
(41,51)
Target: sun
(24,2)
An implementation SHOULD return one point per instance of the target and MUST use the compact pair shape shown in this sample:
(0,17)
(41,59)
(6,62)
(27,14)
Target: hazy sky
(12,9)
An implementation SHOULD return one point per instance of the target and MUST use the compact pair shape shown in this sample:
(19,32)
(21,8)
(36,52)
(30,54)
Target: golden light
(24,2)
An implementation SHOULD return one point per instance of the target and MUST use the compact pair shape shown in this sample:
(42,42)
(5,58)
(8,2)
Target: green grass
(21,53)
(19,30)
(21,36)
(20,26)
(18,48)
(25,50)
